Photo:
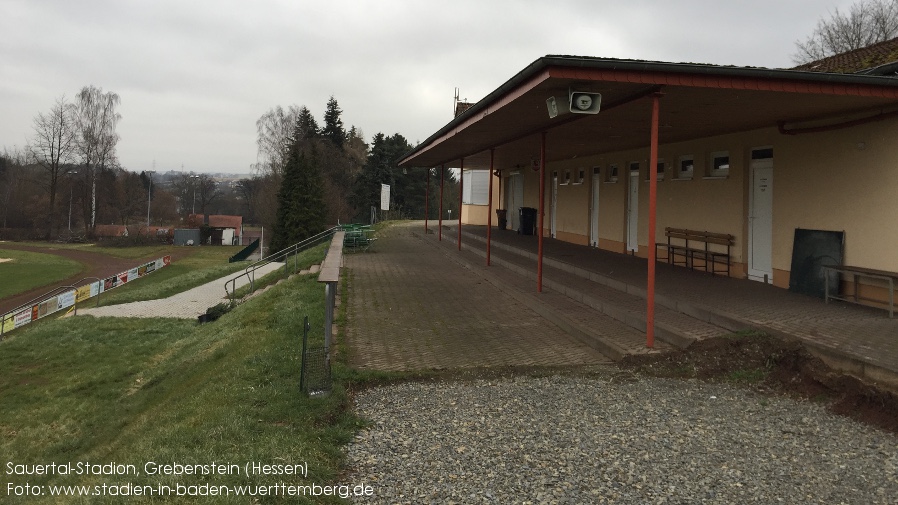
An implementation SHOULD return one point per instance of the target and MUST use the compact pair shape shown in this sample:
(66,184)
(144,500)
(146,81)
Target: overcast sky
(193,76)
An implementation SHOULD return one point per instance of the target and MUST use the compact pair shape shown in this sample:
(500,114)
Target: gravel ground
(612,438)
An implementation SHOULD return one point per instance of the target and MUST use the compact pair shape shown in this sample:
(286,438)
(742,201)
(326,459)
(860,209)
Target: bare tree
(96,119)
(867,22)
(207,191)
(275,129)
(52,147)
(12,186)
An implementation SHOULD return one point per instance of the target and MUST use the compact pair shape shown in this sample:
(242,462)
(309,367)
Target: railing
(282,255)
(44,297)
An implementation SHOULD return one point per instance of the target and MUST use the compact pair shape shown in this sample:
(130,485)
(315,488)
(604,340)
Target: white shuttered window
(476,188)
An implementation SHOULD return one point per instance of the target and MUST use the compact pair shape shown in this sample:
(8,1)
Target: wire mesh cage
(315,371)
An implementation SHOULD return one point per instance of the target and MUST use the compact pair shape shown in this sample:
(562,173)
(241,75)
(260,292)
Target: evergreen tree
(306,127)
(300,213)
(333,126)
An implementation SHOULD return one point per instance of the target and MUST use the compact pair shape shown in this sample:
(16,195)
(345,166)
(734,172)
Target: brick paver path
(412,308)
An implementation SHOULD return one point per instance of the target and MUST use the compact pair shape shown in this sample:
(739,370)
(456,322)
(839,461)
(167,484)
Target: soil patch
(4,260)
(96,264)
(773,366)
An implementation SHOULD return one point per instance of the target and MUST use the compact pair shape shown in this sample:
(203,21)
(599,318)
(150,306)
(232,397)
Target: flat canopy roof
(698,101)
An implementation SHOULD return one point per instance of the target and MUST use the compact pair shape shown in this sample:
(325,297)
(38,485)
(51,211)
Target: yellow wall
(715,205)
(840,180)
(477,214)
(845,179)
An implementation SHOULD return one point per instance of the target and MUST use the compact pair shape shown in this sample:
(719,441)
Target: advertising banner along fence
(24,315)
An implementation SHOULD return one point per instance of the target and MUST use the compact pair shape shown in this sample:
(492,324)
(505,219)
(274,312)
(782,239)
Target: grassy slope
(132,391)
(29,270)
(204,265)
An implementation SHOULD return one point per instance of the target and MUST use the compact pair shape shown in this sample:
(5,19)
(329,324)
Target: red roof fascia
(724,82)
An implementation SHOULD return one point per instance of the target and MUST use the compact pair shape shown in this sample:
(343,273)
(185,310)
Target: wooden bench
(692,244)
(856,273)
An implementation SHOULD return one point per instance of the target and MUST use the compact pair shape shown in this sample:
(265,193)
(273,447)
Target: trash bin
(528,220)
(502,218)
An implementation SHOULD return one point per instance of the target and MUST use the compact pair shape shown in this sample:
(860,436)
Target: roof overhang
(699,101)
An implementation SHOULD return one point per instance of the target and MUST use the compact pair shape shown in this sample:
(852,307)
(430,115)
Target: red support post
(442,176)
(461,190)
(542,211)
(426,199)
(653,200)
(489,212)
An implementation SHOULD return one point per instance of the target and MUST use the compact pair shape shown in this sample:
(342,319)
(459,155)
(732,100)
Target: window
(720,164)
(612,173)
(476,187)
(581,176)
(659,169)
(685,167)
(567,177)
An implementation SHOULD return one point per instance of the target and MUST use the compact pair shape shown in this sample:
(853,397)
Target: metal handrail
(250,271)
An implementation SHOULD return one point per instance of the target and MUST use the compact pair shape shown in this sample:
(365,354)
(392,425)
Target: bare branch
(867,22)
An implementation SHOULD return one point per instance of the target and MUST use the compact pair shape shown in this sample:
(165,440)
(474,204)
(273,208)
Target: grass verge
(205,265)
(295,263)
(133,391)
(29,270)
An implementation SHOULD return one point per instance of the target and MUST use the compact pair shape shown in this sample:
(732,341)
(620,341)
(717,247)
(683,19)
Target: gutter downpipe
(426,199)
(542,211)
(653,200)
(442,174)
(489,212)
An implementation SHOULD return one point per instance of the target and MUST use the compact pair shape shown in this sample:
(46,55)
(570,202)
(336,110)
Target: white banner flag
(384,197)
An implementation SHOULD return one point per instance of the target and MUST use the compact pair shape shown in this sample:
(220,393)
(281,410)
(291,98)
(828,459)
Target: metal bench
(856,273)
(357,239)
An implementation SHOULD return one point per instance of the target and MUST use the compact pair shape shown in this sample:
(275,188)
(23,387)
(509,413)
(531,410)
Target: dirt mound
(773,366)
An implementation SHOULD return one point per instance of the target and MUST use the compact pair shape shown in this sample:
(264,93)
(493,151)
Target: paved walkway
(412,308)
(186,305)
(864,337)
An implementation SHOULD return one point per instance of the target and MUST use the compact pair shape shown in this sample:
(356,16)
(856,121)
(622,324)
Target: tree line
(309,177)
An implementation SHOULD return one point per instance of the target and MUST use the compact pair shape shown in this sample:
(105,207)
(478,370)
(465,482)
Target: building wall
(845,179)
(477,214)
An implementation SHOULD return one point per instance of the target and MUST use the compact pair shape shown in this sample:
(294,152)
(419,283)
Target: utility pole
(194,177)
(149,194)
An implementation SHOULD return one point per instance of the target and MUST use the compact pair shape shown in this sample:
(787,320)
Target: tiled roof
(858,60)
(225,221)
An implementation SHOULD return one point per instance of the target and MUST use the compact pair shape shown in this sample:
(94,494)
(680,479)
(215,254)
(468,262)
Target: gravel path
(612,438)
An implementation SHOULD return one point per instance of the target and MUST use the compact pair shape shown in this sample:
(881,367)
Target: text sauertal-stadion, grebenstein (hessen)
(154,468)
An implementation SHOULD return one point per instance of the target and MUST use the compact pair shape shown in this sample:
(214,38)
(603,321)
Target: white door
(633,212)
(554,204)
(760,221)
(594,209)
(514,195)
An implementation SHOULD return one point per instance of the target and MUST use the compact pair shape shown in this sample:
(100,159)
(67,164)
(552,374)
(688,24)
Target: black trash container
(528,221)
(502,218)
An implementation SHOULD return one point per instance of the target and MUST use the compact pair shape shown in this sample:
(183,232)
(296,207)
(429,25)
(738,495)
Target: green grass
(205,265)
(30,270)
(295,263)
(164,390)
(118,252)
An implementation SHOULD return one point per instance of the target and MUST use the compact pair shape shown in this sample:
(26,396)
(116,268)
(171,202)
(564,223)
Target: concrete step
(620,301)
(605,334)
